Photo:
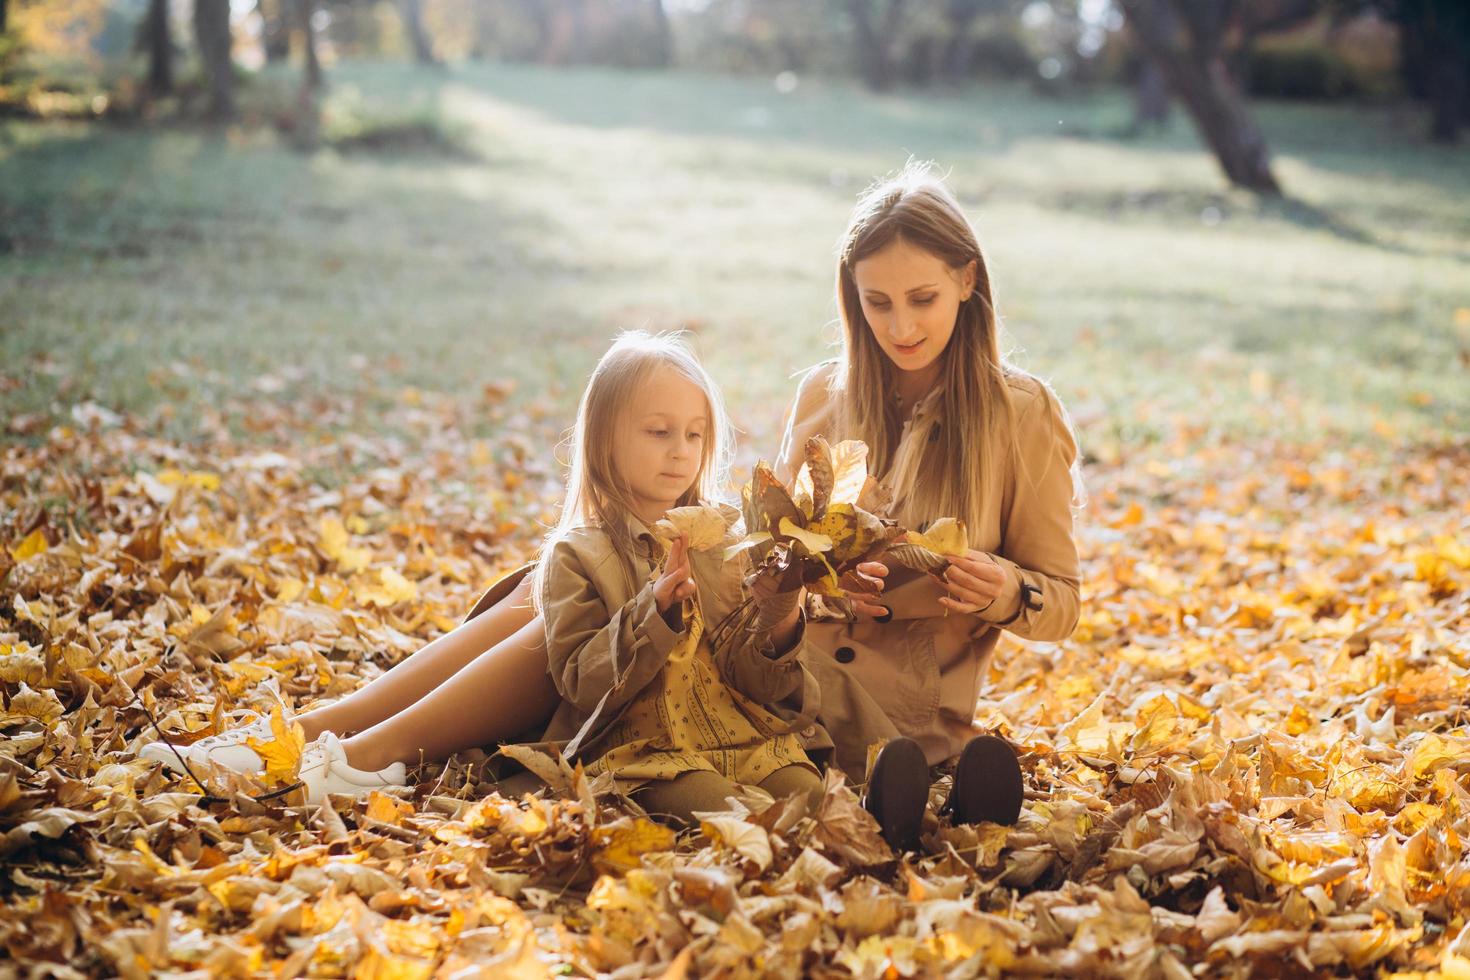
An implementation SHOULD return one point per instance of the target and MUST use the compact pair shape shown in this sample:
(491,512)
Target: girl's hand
(864,587)
(973,581)
(676,583)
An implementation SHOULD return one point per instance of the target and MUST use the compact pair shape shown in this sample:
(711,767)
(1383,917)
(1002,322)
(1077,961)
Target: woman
(957,432)
(952,431)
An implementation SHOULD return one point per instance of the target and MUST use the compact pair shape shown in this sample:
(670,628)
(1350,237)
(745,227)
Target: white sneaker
(168,755)
(228,749)
(324,770)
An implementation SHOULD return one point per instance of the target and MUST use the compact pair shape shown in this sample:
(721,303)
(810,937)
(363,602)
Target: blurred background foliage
(83,57)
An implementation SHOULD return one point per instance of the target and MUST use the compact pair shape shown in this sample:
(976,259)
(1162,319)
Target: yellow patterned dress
(687,719)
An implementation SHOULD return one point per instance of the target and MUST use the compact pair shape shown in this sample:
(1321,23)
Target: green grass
(149,267)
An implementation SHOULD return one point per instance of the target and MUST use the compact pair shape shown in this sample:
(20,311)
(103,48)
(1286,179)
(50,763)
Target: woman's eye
(658,432)
(696,435)
(923,300)
(878,304)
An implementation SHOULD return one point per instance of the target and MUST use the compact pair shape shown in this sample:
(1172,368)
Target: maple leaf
(282,753)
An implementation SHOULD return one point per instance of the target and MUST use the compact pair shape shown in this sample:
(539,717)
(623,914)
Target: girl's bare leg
(417,675)
(500,694)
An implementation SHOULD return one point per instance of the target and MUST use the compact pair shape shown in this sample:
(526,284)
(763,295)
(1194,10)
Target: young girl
(627,622)
(645,696)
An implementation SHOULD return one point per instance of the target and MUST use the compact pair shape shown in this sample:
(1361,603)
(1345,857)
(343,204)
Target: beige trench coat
(606,641)
(919,674)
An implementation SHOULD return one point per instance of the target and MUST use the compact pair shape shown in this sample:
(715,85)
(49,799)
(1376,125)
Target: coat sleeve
(1038,545)
(754,667)
(598,661)
(777,679)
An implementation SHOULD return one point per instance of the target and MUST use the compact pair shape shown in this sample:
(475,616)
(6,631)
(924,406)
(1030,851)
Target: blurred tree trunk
(2,16)
(1185,39)
(275,30)
(306,12)
(413,21)
(1150,97)
(1434,47)
(159,44)
(960,16)
(875,40)
(212,33)
(663,37)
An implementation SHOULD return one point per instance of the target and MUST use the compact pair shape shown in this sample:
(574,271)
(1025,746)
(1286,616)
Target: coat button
(845,655)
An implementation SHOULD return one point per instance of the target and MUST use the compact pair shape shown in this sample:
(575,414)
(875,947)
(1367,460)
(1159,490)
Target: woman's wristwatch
(1030,599)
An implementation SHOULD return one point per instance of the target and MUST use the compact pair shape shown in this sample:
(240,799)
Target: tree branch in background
(1185,39)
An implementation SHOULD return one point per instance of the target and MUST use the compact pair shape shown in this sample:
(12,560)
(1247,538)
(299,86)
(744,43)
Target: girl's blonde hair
(971,440)
(597,494)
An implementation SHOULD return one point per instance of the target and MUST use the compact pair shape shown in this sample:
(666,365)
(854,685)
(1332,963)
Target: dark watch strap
(1030,599)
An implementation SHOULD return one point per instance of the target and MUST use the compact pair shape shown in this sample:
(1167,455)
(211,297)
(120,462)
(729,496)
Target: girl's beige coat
(605,640)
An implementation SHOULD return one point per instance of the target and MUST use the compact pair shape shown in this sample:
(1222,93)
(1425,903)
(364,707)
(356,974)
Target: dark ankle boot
(898,791)
(987,783)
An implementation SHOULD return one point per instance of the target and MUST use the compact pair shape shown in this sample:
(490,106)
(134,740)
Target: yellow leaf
(1432,753)
(621,845)
(750,841)
(41,705)
(201,480)
(379,964)
(282,754)
(746,543)
(705,526)
(387,809)
(333,542)
(287,589)
(34,544)
(390,589)
(945,536)
(849,470)
(815,543)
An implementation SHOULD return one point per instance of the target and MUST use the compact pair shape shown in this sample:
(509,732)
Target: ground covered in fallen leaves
(1252,757)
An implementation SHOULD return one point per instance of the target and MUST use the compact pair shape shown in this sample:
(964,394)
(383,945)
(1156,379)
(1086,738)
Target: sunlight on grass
(169,267)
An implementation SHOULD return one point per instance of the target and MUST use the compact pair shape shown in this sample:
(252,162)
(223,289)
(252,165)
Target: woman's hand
(676,583)
(864,587)
(973,581)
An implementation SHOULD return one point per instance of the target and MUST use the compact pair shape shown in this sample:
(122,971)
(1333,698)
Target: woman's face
(910,299)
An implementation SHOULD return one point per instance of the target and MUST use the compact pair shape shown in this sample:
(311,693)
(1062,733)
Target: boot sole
(987,783)
(898,792)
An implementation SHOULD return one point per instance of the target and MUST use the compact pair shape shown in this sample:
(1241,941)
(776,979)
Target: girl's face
(661,442)
(910,299)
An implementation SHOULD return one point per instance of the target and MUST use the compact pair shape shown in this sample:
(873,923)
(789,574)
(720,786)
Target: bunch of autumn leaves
(814,534)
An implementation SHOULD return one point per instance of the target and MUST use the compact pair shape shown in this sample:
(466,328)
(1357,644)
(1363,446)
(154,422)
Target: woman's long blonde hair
(958,464)
(597,494)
